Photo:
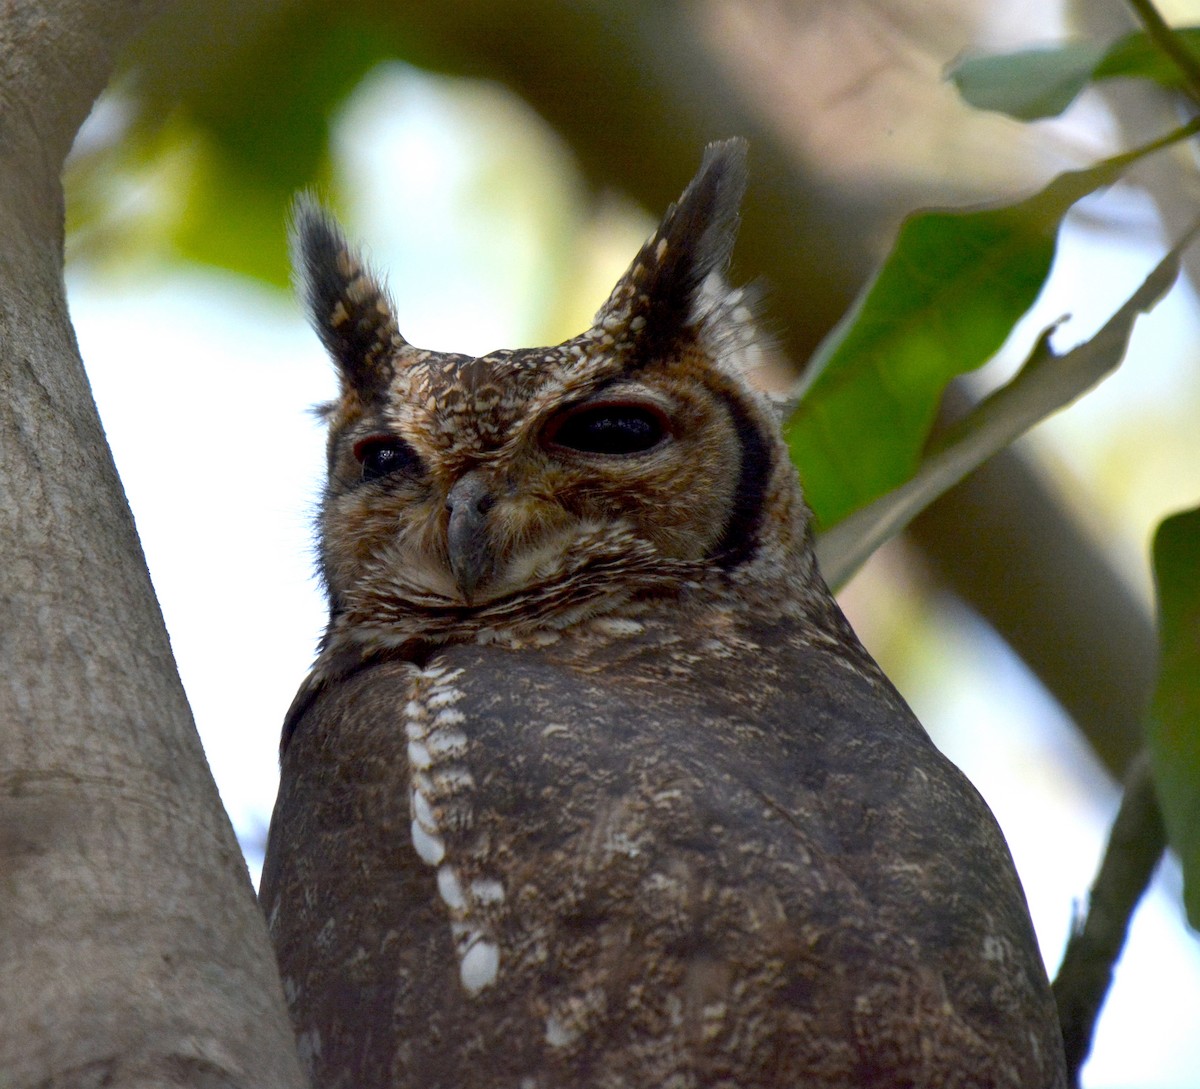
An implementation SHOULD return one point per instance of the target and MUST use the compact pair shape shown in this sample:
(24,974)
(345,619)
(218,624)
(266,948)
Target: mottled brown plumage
(592,785)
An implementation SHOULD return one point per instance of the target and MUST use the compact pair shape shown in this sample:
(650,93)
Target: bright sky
(204,384)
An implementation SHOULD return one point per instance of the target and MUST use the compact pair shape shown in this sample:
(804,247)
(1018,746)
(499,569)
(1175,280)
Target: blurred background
(502,162)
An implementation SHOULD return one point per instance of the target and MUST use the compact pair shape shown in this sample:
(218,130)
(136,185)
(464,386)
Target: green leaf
(1028,85)
(1046,383)
(1174,735)
(1136,56)
(1036,83)
(943,303)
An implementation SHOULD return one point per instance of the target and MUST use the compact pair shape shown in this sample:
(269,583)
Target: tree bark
(131,947)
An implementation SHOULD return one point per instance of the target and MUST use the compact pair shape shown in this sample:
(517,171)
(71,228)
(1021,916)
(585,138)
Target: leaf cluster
(948,295)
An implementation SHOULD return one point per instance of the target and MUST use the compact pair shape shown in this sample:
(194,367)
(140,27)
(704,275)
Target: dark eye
(382,455)
(609,429)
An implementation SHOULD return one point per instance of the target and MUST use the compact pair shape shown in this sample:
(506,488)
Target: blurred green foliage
(947,297)
(1174,733)
(1037,83)
(938,305)
(1046,382)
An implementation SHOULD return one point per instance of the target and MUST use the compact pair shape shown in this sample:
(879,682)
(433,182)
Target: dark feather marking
(739,538)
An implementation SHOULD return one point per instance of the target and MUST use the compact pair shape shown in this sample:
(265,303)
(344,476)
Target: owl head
(538,486)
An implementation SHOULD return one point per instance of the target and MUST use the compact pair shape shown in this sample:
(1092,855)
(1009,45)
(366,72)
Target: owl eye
(382,455)
(614,429)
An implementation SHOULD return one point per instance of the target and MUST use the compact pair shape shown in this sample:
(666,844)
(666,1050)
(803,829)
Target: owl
(592,786)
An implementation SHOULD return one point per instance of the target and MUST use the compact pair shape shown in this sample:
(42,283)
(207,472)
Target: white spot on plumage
(431,848)
(450,889)
(423,784)
(557,1034)
(418,755)
(994,949)
(479,967)
(454,779)
(487,890)
(542,638)
(675,1010)
(445,743)
(621,843)
(423,812)
(449,717)
(617,625)
(713,1016)
(443,697)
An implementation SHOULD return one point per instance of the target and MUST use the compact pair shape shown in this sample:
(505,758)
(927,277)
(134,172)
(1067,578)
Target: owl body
(592,785)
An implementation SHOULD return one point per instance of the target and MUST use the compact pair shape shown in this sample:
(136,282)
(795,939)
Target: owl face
(474,479)
(564,476)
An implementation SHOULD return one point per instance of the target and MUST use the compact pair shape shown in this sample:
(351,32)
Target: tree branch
(1135,844)
(1165,41)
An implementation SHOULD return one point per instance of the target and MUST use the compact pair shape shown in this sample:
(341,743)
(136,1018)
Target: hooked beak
(467,537)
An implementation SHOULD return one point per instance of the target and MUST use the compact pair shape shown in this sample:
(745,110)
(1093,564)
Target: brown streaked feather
(670,911)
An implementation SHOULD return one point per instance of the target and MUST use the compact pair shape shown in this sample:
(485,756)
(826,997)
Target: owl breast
(621,872)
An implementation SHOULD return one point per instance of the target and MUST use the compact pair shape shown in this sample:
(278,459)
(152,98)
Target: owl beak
(467,537)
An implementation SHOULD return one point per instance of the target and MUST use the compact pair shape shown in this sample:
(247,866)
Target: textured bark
(131,948)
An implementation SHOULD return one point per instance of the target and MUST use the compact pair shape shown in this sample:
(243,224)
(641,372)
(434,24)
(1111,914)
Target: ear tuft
(694,240)
(346,304)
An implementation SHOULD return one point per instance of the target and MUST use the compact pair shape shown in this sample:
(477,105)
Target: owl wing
(651,869)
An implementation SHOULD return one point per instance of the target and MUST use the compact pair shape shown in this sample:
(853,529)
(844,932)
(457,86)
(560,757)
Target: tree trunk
(132,951)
